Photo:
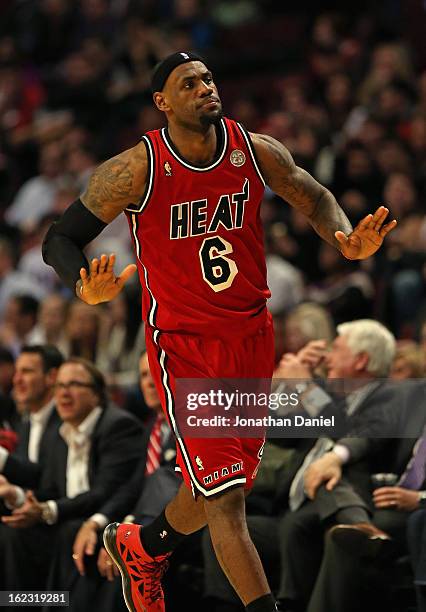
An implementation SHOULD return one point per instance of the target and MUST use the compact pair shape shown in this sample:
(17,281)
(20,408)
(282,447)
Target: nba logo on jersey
(167,169)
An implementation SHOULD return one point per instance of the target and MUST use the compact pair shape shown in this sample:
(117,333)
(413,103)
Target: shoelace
(155,571)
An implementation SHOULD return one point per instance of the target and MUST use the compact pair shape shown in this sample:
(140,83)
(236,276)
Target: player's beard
(211,118)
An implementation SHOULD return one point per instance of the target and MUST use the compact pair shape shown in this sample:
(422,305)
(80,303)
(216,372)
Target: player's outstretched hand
(101,285)
(367,237)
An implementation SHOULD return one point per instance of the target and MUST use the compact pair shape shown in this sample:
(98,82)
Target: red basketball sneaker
(141,574)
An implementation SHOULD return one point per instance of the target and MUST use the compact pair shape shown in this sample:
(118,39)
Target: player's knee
(228,504)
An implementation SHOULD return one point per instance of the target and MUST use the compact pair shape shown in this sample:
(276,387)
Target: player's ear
(160,101)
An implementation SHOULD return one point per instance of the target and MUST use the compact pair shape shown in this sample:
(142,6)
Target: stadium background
(345,90)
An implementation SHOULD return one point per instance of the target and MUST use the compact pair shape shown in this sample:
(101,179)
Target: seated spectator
(126,338)
(33,388)
(85,332)
(14,282)
(35,197)
(408,363)
(51,324)
(140,499)
(31,262)
(96,447)
(19,320)
(358,554)
(308,321)
(346,291)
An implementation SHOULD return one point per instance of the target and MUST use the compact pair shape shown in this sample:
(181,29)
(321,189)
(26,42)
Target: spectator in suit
(355,553)
(36,369)
(141,498)
(362,353)
(95,448)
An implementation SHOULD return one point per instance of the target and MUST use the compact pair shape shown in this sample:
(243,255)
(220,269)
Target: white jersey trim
(251,151)
(187,164)
(138,208)
(153,308)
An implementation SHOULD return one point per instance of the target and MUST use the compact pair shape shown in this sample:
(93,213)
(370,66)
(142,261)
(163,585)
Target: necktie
(414,475)
(154,447)
(297,493)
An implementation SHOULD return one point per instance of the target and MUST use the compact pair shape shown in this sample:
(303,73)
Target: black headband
(166,66)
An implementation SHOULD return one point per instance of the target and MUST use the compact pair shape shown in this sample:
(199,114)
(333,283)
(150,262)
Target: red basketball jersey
(198,238)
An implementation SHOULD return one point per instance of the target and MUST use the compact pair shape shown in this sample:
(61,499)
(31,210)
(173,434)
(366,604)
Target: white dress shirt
(38,422)
(79,441)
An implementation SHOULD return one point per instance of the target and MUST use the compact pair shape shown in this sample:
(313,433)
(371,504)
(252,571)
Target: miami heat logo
(237,158)
(199,463)
(167,169)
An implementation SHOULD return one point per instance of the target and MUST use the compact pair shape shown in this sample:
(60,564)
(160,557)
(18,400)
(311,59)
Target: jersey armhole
(139,207)
(252,152)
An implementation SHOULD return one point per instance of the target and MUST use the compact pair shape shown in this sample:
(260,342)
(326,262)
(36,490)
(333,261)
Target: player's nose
(205,89)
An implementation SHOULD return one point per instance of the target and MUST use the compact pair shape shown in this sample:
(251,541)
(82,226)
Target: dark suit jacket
(388,444)
(126,498)
(8,414)
(115,452)
(18,469)
(369,417)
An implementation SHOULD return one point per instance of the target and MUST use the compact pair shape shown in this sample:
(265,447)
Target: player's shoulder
(130,164)
(135,155)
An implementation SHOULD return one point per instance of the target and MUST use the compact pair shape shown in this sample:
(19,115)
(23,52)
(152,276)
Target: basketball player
(191,193)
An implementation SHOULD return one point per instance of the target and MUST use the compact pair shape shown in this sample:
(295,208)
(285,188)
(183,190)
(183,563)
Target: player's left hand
(367,237)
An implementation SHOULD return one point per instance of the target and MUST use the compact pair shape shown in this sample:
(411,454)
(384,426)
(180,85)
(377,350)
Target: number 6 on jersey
(218,271)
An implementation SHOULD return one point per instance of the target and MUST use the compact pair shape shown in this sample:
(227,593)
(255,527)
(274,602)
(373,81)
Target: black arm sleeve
(64,242)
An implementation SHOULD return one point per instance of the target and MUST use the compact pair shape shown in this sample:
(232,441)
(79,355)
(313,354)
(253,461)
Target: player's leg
(235,550)
(182,516)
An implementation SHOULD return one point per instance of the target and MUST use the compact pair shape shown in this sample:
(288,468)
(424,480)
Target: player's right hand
(101,285)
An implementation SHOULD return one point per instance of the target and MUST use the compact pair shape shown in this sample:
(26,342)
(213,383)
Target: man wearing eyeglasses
(96,445)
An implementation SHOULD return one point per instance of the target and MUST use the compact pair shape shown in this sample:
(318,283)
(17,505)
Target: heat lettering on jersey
(191,218)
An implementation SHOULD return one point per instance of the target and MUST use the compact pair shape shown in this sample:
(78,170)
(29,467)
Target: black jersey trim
(170,405)
(139,207)
(252,152)
(186,163)
(152,314)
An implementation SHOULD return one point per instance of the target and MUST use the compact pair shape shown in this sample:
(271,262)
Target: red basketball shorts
(211,465)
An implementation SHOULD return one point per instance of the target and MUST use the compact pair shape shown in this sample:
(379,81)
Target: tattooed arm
(302,191)
(114,185)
